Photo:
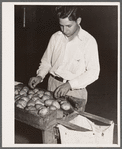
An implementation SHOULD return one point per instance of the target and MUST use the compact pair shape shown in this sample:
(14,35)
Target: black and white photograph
(61,71)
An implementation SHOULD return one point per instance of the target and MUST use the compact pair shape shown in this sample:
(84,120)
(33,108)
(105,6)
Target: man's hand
(62,90)
(34,81)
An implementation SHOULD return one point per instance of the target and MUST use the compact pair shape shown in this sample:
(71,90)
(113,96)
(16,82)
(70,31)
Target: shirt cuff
(39,73)
(75,84)
(41,77)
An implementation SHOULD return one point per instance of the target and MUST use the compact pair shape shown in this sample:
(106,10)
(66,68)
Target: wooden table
(46,125)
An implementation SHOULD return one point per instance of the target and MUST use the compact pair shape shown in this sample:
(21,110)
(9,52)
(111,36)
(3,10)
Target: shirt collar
(80,33)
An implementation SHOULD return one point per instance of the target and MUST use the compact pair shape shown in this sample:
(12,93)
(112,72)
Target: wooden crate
(46,125)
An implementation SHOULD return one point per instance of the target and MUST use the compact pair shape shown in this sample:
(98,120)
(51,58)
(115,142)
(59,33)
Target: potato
(43,111)
(25,98)
(31,103)
(22,92)
(45,97)
(63,101)
(39,101)
(25,88)
(65,106)
(56,104)
(19,87)
(30,108)
(16,92)
(19,106)
(36,95)
(36,90)
(48,102)
(52,108)
(39,106)
(22,102)
(31,92)
(17,97)
(48,93)
(30,96)
(40,93)
(35,98)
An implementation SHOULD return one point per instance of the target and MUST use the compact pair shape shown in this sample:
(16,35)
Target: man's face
(68,27)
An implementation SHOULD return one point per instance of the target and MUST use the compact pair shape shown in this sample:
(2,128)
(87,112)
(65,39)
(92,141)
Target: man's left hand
(62,90)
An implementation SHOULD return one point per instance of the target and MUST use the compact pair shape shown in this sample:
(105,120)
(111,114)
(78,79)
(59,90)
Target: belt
(59,78)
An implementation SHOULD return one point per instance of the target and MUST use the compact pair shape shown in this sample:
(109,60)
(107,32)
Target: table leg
(48,136)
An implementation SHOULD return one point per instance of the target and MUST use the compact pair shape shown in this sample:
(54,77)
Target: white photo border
(8,66)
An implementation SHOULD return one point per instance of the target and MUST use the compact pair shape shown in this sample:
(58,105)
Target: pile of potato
(38,101)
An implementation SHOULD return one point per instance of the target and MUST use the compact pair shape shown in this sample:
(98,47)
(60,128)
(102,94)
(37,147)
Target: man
(71,57)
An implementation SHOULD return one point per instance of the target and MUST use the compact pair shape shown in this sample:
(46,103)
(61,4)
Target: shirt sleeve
(92,67)
(45,64)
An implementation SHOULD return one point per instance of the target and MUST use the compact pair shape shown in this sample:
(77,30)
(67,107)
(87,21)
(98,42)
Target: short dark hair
(72,12)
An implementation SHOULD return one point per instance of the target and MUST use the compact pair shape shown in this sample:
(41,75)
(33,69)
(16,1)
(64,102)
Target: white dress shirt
(76,61)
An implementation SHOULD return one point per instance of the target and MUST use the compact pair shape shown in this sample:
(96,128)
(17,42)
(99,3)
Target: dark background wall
(31,42)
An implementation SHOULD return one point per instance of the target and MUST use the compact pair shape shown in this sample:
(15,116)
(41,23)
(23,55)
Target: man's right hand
(34,81)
